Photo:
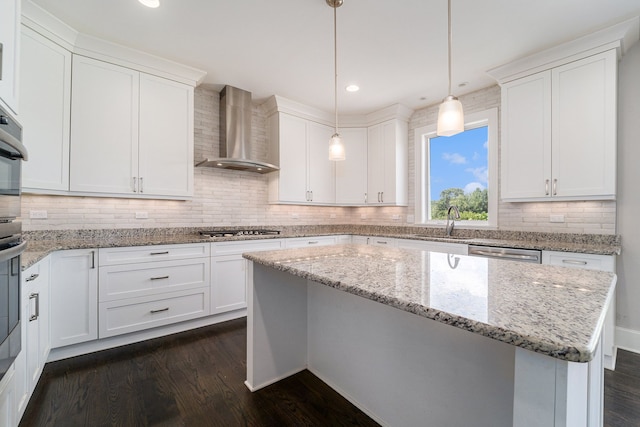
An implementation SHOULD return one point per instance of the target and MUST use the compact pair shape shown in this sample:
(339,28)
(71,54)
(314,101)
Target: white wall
(628,267)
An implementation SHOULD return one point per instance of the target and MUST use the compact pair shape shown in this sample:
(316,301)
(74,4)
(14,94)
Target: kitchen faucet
(449,228)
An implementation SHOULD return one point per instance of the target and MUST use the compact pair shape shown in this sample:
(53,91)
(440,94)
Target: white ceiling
(396,51)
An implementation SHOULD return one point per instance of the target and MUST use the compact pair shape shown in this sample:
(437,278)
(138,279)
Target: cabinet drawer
(130,255)
(304,242)
(136,314)
(586,261)
(238,247)
(382,241)
(134,280)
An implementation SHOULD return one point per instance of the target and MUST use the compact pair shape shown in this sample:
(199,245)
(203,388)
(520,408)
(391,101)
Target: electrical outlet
(295,216)
(556,218)
(332,216)
(395,217)
(363,216)
(142,215)
(38,214)
(411,219)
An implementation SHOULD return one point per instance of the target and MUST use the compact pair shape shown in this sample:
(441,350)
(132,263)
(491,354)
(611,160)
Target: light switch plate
(142,215)
(556,218)
(38,214)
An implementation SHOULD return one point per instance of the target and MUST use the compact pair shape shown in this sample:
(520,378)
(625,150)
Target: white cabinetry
(74,297)
(301,149)
(35,329)
(351,173)
(131,133)
(168,284)
(305,242)
(592,262)
(8,415)
(559,132)
(381,241)
(229,272)
(9,53)
(387,164)
(45,112)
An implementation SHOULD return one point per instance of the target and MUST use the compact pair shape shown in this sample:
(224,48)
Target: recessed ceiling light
(352,88)
(150,3)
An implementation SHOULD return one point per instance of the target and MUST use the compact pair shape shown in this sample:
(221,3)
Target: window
(458,170)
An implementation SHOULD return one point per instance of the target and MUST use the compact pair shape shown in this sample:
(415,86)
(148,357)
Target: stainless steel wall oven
(12,152)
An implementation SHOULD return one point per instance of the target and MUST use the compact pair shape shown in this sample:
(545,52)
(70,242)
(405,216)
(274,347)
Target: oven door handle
(15,143)
(12,252)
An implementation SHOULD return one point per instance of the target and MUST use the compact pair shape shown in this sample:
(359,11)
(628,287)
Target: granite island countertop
(551,310)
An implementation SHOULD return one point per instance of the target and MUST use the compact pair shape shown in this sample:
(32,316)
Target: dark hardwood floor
(196,379)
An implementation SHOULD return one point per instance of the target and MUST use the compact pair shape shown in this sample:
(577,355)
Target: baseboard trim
(628,339)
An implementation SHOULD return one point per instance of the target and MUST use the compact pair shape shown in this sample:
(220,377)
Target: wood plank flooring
(196,379)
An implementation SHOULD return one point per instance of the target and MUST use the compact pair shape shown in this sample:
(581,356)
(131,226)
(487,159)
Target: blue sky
(459,161)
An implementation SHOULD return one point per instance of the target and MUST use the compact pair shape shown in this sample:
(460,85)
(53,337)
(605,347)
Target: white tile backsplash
(224,197)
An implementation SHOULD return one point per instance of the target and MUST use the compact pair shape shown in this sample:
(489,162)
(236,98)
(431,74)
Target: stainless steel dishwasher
(522,255)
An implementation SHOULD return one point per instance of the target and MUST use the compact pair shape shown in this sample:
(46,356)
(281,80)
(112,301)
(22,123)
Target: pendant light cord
(449,45)
(335,63)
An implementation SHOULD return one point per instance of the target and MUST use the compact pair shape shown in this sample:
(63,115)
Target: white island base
(402,369)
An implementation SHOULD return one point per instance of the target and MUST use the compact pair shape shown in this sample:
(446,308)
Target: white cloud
(471,187)
(486,145)
(481,173)
(454,158)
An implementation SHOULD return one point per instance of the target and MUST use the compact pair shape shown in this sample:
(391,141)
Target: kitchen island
(420,338)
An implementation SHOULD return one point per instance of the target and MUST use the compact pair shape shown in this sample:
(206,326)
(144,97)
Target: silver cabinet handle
(135,184)
(159,310)
(141,185)
(159,253)
(365,197)
(382,196)
(381,242)
(574,262)
(32,277)
(311,192)
(555,187)
(312,242)
(306,195)
(546,187)
(160,278)
(35,296)
(93,259)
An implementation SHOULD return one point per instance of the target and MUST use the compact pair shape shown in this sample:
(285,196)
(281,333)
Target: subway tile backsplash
(224,197)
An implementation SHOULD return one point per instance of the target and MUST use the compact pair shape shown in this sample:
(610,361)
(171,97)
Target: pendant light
(336,147)
(450,114)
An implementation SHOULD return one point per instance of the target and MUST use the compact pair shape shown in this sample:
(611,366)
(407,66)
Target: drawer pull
(32,277)
(380,242)
(160,278)
(574,262)
(37,298)
(160,253)
(160,310)
(313,242)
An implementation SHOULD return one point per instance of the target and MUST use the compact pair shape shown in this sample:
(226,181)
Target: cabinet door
(10,39)
(584,127)
(526,137)
(228,283)
(166,137)
(351,173)
(36,297)
(375,165)
(73,297)
(293,159)
(395,143)
(322,177)
(8,400)
(45,111)
(104,129)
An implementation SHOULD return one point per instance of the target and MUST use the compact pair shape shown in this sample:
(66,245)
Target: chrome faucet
(449,228)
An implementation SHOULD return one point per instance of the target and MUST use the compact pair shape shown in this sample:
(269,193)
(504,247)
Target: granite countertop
(42,243)
(550,310)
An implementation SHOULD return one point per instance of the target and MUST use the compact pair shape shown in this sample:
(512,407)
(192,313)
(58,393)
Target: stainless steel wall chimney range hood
(235,134)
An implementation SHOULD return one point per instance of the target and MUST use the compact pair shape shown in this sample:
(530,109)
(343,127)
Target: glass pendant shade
(336,148)
(450,117)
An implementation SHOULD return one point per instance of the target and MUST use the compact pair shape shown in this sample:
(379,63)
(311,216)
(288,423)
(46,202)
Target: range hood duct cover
(235,134)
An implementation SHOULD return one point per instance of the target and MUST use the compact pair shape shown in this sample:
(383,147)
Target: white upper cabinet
(104,127)
(351,173)
(45,112)
(165,137)
(387,164)
(306,174)
(559,132)
(9,53)
(131,133)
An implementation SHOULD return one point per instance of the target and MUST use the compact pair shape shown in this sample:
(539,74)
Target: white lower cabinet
(8,415)
(593,262)
(168,284)
(74,297)
(35,323)
(229,272)
(427,245)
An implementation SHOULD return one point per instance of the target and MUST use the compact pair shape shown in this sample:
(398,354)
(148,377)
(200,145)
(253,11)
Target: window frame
(423,134)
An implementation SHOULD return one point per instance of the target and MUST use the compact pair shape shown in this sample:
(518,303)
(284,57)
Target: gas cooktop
(231,233)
